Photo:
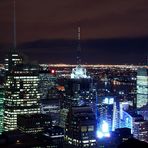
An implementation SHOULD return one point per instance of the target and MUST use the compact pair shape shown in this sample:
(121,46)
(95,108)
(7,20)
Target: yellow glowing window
(83,128)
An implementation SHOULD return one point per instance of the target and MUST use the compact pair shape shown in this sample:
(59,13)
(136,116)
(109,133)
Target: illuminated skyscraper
(142,87)
(12,59)
(47,81)
(79,72)
(81,127)
(140,130)
(1,108)
(21,90)
(80,90)
(34,123)
(108,112)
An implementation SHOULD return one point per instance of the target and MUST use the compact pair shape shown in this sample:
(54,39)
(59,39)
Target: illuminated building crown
(79,72)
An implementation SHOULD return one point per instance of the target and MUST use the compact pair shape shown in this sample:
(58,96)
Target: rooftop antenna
(79,46)
(14,24)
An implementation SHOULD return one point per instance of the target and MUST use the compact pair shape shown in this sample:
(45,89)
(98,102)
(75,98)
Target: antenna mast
(14,24)
(79,46)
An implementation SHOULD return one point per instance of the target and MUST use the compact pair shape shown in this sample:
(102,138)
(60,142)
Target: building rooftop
(142,72)
(144,108)
(33,116)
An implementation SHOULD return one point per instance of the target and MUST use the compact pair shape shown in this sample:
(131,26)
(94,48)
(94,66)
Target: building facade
(140,130)
(33,123)
(80,128)
(21,90)
(1,108)
(142,87)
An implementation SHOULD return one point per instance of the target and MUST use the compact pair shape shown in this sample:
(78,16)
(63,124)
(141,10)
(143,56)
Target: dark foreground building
(81,127)
(34,123)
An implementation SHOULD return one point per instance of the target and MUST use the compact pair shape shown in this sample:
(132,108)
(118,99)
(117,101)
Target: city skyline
(73,73)
(112,32)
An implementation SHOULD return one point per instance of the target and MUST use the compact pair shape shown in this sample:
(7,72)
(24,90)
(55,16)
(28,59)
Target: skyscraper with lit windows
(108,112)
(142,87)
(1,108)
(21,90)
(81,127)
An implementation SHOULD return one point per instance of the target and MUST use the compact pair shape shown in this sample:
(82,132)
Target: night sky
(112,31)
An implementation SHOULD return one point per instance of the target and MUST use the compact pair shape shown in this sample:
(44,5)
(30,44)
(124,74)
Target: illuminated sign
(108,100)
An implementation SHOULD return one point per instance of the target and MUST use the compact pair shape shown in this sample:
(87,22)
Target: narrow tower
(14,24)
(21,85)
(79,46)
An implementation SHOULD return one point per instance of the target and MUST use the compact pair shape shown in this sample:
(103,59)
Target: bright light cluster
(79,72)
(108,100)
(103,131)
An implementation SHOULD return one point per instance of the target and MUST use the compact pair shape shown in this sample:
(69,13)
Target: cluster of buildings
(68,112)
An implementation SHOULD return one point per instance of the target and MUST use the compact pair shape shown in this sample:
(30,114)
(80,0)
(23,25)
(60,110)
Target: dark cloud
(57,19)
(38,19)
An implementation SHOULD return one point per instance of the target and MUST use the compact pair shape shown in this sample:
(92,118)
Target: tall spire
(79,33)
(79,46)
(79,72)
(14,24)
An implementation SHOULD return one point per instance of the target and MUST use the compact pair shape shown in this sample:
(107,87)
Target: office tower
(142,87)
(1,108)
(50,95)
(143,111)
(140,130)
(80,89)
(78,92)
(11,60)
(126,120)
(81,82)
(63,117)
(33,123)
(108,112)
(47,81)
(21,90)
(137,124)
(79,71)
(51,107)
(81,127)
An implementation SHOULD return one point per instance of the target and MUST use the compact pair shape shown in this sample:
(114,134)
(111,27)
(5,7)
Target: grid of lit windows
(142,87)
(1,109)
(21,92)
(81,127)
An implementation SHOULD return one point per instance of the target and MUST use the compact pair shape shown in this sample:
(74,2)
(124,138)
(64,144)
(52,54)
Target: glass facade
(1,108)
(21,92)
(80,128)
(142,87)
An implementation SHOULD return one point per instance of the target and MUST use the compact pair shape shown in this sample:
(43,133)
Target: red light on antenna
(53,71)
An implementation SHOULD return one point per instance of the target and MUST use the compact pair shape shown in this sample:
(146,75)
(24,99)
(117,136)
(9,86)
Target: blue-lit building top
(128,119)
(107,116)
